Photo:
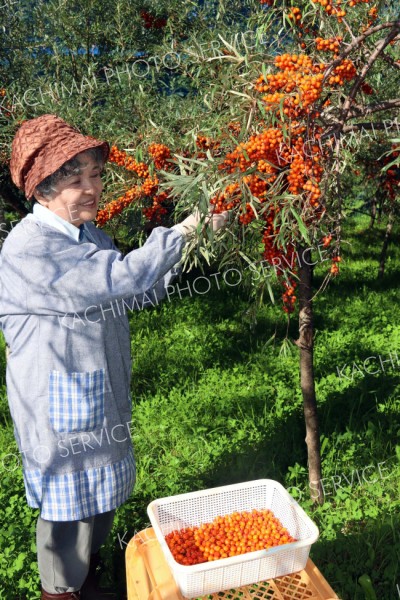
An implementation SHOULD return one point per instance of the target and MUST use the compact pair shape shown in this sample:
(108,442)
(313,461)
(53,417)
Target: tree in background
(380,165)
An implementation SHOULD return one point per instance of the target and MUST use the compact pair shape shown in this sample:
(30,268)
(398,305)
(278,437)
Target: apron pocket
(76,401)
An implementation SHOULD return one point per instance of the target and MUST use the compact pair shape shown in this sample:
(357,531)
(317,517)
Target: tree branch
(355,43)
(369,125)
(390,60)
(363,111)
(353,37)
(360,78)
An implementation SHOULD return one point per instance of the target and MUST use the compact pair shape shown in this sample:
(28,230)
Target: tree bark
(373,213)
(381,200)
(386,241)
(306,346)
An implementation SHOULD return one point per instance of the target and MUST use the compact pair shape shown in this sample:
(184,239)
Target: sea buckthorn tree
(275,157)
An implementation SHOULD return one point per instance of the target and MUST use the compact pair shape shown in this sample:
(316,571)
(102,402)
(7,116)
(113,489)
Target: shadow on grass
(373,551)
(346,286)
(356,406)
(219,345)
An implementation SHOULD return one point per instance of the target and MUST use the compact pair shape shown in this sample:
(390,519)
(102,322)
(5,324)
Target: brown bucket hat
(43,145)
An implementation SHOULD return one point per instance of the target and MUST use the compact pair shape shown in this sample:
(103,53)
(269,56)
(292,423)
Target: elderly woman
(65,293)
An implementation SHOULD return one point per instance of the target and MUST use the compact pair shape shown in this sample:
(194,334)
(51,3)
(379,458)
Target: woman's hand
(189,225)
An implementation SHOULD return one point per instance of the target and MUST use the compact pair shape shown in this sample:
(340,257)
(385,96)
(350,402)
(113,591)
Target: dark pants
(64,549)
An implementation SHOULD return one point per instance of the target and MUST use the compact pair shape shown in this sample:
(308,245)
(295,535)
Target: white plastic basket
(195,508)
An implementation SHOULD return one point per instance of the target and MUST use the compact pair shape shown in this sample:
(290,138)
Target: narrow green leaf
(262,108)
(271,293)
(302,227)
(264,72)
(229,46)
(204,253)
(240,94)
(282,114)
(246,258)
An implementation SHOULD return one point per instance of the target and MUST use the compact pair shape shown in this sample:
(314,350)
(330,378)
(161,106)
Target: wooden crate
(149,578)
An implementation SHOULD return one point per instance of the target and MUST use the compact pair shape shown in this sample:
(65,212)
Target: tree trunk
(373,213)
(306,345)
(388,233)
(380,207)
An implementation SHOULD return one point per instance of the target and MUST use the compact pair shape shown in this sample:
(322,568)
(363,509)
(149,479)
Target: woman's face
(76,197)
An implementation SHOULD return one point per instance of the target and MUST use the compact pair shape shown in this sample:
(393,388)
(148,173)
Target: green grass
(215,402)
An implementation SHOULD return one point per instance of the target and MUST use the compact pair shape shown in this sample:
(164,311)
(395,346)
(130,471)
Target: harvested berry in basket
(229,535)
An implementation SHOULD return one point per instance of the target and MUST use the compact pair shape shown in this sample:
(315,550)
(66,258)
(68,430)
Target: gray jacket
(64,309)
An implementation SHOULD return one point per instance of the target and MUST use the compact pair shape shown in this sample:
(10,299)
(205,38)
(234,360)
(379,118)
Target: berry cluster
(157,209)
(288,297)
(229,535)
(207,143)
(280,260)
(295,15)
(120,158)
(346,71)
(372,16)
(332,8)
(326,240)
(296,87)
(328,44)
(234,127)
(228,199)
(262,146)
(147,191)
(160,154)
(335,267)
(355,2)
(114,208)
